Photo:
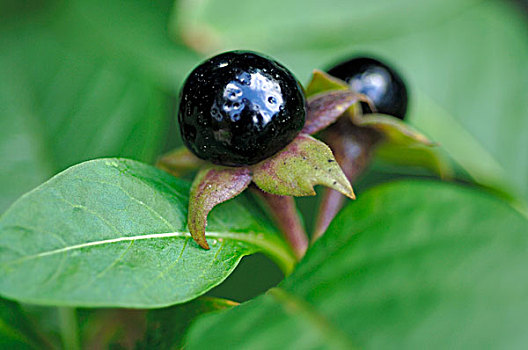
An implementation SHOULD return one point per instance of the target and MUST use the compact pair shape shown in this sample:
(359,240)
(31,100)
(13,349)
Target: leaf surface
(79,82)
(409,265)
(112,232)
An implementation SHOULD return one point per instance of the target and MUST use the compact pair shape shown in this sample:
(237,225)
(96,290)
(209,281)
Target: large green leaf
(408,265)
(85,109)
(465,62)
(308,24)
(112,232)
(82,80)
(469,100)
(135,33)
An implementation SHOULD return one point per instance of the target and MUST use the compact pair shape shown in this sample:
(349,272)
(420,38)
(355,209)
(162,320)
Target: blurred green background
(93,78)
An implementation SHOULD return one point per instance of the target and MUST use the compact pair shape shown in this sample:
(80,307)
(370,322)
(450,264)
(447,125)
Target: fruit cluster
(247,117)
(239,108)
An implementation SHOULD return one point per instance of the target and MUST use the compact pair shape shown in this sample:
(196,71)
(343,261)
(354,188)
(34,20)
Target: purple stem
(284,212)
(352,146)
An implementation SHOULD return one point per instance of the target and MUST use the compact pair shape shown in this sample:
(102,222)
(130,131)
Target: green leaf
(309,24)
(211,186)
(472,103)
(112,232)
(409,265)
(79,82)
(416,155)
(301,165)
(85,108)
(135,33)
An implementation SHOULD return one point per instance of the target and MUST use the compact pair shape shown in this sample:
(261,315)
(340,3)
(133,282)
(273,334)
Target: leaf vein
(94,213)
(167,269)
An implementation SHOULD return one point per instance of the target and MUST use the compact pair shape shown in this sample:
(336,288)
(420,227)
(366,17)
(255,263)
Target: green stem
(69,328)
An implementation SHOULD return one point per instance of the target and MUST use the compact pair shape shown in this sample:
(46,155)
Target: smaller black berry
(381,83)
(239,108)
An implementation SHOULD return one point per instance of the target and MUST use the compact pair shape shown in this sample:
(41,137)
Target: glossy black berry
(239,108)
(382,84)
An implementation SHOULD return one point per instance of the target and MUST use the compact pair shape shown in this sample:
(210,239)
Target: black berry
(239,108)
(382,84)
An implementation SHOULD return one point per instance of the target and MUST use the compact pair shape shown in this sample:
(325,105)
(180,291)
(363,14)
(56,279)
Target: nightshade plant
(244,112)
(415,263)
(239,109)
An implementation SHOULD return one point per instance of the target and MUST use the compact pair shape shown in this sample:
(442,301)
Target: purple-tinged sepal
(212,186)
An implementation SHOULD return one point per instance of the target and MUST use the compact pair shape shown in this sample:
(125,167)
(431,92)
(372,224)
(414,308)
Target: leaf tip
(197,231)
(203,244)
(351,194)
(345,188)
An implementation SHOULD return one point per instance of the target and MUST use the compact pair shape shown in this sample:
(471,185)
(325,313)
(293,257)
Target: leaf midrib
(277,252)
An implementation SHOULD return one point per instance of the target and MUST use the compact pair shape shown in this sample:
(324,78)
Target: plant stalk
(284,212)
(69,328)
(353,147)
